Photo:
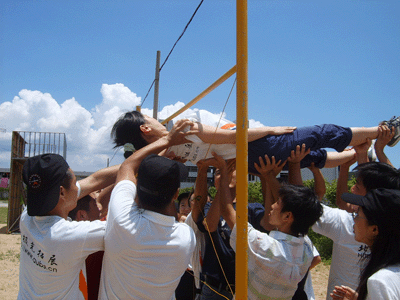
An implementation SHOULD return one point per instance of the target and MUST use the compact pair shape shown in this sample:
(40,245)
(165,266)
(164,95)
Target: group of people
(146,250)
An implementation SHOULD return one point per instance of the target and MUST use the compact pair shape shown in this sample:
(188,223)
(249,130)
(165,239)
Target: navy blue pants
(315,137)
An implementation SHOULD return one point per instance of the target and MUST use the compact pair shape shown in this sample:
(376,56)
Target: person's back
(54,248)
(145,252)
(146,249)
(337,225)
(53,251)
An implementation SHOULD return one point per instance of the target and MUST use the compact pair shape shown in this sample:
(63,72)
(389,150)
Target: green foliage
(323,244)
(185,190)
(3,214)
(255,192)
(213,191)
(4,191)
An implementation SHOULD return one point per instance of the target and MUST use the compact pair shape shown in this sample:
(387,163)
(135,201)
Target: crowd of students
(135,237)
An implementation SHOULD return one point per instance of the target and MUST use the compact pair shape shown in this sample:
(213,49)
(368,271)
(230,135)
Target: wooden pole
(156,84)
(203,94)
(241,150)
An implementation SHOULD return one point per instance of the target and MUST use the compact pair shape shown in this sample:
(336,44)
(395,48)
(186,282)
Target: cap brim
(353,199)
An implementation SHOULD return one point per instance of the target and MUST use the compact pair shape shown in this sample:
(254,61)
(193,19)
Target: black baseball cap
(382,205)
(43,175)
(159,177)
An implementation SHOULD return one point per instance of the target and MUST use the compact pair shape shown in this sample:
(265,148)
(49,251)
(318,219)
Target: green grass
(3,214)
(10,255)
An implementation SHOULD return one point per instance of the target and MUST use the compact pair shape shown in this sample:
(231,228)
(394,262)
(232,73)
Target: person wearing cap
(54,248)
(377,224)
(146,249)
(337,223)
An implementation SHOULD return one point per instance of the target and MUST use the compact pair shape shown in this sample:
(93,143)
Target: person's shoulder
(64,228)
(330,213)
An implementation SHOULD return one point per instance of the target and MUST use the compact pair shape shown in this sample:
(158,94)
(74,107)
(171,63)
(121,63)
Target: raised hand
(344,292)
(177,134)
(297,155)
(269,166)
(385,135)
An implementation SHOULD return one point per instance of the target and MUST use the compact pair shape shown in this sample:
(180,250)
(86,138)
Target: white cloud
(87,132)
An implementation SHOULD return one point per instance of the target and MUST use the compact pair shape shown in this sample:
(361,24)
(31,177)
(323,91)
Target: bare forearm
(200,193)
(295,173)
(319,184)
(98,180)
(382,157)
(342,188)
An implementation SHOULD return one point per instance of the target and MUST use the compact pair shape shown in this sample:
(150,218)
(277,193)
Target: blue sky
(74,66)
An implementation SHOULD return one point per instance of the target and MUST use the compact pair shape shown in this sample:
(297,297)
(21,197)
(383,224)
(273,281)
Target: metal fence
(36,143)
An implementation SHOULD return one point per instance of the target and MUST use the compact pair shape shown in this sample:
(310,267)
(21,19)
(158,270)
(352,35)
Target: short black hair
(183,196)
(303,204)
(67,180)
(375,175)
(83,204)
(127,130)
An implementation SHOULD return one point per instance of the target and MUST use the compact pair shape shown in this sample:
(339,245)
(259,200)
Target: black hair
(303,204)
(374,175)
(67,180)
(385,250)
(127,130)
(83,204)
(183,196)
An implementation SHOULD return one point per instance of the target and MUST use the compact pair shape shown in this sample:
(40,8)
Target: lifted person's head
(158,182)
(127,130)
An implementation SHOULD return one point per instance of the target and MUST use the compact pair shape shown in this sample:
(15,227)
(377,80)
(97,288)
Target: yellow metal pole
(203,94)
(241,150)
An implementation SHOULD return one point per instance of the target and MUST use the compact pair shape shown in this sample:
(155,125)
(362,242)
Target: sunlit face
(363,232)
(158,130)
(358,188)
(276,215)
(184,208)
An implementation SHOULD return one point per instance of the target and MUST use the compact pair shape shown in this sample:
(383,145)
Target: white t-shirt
(277,262)
(146,253)
(384,284)
(308,287)
(198,150)
(53,252)
(198,253)
(337,224)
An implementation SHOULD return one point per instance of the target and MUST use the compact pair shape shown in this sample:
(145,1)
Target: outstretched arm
(212,135)
(200,191)
(268,171)
(384,137)
(214,213)
(294,164)
(98,180)
(319,182)
(342,184)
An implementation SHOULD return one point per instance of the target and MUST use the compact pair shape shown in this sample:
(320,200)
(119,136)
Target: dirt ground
(9,266)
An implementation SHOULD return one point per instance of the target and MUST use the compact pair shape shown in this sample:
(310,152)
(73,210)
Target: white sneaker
(393,122)
(371,152)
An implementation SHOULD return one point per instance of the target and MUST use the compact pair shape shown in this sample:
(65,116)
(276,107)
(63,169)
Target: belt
(219,286)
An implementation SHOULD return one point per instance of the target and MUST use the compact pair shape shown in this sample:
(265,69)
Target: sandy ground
(9,266)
